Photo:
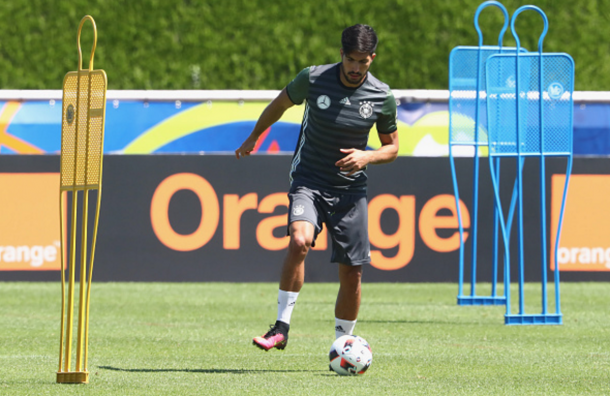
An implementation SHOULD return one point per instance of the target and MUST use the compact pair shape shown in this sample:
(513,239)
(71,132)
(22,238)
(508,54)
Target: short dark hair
(360,38)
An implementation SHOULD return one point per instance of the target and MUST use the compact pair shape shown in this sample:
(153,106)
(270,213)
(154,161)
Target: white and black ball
(350,355)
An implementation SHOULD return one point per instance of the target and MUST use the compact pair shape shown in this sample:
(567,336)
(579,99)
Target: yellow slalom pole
(63,278)
(93,241)
(83,113)
(71,276)
(83,267)
(83,277)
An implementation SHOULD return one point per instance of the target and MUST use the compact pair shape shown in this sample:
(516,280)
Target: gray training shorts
(346,218)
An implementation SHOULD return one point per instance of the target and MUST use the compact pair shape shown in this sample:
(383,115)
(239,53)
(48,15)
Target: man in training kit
(328,183)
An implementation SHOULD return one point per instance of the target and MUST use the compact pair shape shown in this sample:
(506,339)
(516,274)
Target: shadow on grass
(204,371)
(440,322)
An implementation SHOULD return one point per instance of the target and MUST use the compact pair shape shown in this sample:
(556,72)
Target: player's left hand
(354,161)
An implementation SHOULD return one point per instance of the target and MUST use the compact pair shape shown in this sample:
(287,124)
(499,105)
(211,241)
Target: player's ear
(341,52)
(373,55)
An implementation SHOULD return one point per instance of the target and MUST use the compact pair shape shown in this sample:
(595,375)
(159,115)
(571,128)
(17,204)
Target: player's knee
(299,244)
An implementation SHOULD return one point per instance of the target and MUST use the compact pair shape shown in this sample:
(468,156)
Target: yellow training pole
(83,274)
(84,109)
(63,280)
(71,276)
(94,239)
(83,266)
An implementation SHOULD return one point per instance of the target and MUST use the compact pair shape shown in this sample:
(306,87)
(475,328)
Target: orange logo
(433,217)
(585,236)
(209,215)
(29,222)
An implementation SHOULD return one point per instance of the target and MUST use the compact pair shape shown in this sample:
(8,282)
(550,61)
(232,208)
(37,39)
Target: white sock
(343,327)
(285,304)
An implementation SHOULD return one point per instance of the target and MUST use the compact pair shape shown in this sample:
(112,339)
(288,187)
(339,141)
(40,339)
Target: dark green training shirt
(336,117)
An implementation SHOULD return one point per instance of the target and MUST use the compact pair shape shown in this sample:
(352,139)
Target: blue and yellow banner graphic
(213,127)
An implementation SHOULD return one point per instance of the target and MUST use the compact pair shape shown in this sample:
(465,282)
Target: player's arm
(388,150)
(272,113)
(356,160)
(295,93)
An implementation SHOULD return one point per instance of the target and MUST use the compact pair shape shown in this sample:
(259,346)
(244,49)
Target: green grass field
(195,339)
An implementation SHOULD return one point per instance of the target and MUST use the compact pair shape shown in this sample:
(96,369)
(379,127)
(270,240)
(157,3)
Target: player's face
(355,65)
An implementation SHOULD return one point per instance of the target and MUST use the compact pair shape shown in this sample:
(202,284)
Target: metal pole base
(481,300)
(539,319)
(72,377)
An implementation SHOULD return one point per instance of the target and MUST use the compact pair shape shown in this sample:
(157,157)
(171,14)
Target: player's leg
(293,273)
(291,281)
(293,270)
(303,214)
(348,299)
(348,228)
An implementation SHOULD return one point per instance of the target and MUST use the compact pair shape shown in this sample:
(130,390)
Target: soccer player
(328,183)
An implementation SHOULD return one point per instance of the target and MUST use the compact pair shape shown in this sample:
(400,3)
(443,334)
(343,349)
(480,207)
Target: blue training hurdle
(530,118)
(468,124)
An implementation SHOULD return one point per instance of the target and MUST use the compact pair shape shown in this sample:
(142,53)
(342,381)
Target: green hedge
(262,44)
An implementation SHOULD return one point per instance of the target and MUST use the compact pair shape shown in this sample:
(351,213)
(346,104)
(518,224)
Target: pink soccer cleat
(274,338)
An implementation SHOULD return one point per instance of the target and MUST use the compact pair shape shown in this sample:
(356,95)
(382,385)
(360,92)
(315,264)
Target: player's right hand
(245,149)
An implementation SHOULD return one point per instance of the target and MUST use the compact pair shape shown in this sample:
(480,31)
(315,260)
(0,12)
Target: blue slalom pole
(519,175)
(475,200)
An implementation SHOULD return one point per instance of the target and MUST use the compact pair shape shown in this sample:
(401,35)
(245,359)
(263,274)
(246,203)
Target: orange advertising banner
(29,222)
(585,233)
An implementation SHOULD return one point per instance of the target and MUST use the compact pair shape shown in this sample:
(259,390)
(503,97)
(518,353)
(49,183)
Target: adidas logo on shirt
(345,101)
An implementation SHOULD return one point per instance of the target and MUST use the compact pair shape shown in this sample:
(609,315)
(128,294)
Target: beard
(354,78)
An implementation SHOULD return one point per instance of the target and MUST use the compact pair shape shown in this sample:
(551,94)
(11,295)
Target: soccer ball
(350,355)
